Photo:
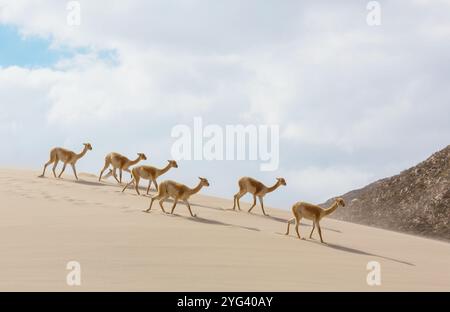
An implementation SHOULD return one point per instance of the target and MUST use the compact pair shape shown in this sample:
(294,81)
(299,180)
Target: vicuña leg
(74,171)
(297,224)
(114,174)
(288,225)
(136,183)
(234,201)
(189,207)
(54,167)
(103,170)
(62,171)
(262,205)
(151,202)
(50,161)
(254,203)
(314,226)
(320,231)
(45,167)
(175,202)
(161,204)
(149,185)
(126,186)
(237,197)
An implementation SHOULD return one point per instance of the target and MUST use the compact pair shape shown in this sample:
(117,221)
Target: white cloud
(353,102)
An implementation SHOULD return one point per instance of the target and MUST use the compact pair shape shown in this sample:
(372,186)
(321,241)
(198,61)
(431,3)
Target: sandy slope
(44,223)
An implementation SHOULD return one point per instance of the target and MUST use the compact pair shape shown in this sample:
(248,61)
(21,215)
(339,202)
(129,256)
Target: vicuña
(149,173)
(312,212)
(67,157)
(257,189)
(119,162)
(178,192)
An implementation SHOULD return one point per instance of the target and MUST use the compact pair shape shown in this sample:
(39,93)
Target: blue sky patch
(35,52)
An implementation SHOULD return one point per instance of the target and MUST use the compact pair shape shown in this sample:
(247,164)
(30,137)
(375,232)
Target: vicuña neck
(83,152)
(134,162)
(165,169)
(196,189)
(331,209)
(273,188)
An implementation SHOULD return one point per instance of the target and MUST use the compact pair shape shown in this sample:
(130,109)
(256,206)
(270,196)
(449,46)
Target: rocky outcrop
(415,201)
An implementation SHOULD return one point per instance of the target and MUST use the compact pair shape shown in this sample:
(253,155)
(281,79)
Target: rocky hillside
(415,201)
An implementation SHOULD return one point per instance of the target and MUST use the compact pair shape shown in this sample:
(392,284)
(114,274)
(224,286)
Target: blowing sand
(47,222)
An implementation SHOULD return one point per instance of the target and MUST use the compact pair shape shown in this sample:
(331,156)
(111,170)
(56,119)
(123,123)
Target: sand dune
(47,222)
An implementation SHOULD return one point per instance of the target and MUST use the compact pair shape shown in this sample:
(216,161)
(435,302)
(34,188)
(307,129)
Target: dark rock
(416,201)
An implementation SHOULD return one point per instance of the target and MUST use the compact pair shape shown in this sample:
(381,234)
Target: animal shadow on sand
(283,220)
(84,182)
(170,200)
(361,252)
(215,222)
(90,183)
(142,188)
(200,219)
(354,250)
(207,207)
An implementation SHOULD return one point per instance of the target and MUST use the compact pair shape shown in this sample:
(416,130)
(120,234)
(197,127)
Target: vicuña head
(340,201)
(88,146)
(312,212)
(173,163)
(204,181)
(142,156)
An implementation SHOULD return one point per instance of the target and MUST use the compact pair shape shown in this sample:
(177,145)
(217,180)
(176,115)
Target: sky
(353,102)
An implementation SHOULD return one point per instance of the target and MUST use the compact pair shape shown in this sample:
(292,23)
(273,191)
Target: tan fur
(178,192)
(312,212)
(67,157)
(148,173)
(119,162)
(257,189)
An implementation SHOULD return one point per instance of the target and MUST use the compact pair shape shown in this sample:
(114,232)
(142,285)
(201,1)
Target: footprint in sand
(71,200)
(49,197)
